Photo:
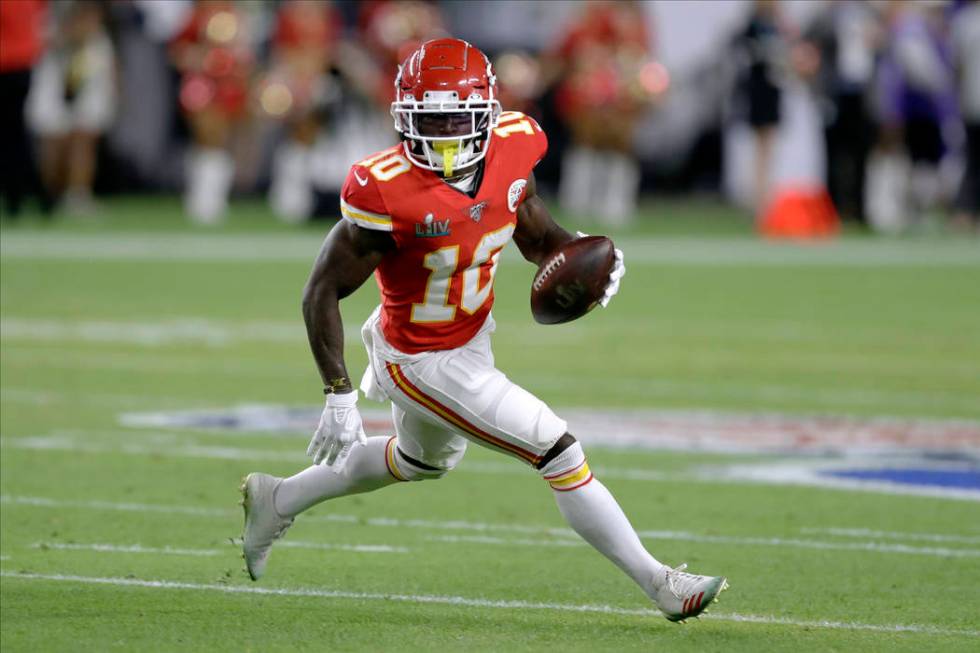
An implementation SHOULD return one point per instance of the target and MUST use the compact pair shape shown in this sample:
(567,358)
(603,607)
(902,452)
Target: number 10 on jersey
(442,265)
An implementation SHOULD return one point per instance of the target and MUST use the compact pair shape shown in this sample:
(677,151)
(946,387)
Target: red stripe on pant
(448,414)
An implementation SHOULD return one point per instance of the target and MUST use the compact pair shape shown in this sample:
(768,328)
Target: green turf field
(116,536)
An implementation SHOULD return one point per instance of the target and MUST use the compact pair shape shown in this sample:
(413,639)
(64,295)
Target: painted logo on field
(938,458)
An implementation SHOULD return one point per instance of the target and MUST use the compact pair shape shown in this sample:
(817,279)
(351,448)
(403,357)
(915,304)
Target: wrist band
(333,385)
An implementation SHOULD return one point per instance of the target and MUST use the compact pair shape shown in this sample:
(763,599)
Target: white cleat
(263,525)
(686,595)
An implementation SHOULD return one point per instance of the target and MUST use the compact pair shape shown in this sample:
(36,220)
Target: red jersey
(437,285)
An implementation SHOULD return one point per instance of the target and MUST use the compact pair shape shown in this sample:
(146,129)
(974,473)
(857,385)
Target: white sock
(364,470)
(618,203)
(593,513)
(574,188)
(210,172)
(291,192)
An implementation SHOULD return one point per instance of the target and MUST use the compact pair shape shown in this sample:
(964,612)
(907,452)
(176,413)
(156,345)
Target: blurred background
(803,116)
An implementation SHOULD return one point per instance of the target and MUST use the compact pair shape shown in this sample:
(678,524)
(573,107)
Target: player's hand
(617,273)
(340,425)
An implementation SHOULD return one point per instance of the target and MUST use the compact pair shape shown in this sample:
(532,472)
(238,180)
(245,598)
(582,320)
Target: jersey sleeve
(539,144)
(361,201)
(522,138)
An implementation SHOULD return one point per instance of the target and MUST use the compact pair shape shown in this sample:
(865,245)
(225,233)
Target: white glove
(617,273)
(340,425)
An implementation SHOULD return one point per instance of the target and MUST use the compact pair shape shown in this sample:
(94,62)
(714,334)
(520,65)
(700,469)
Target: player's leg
(271,503)
(464,391)
(419,451)
(592,512)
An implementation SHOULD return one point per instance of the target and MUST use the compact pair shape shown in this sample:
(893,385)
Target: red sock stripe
(700,596)
(451,416)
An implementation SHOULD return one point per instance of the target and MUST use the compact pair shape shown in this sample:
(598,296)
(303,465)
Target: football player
(429,218)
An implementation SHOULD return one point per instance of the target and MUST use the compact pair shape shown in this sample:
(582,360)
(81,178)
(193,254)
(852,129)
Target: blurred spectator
(606,82)
(72,102)
(847,34)
(392,31)
(916,102)
(21,24)
(762,53)
(214,54)
(299,89)
(519,81)
(966,50)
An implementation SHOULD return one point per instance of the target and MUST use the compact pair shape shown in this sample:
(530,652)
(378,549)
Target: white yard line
(893,535)
(487,539)
(167,550)
(747,476)
(639,250)
(196,331)
(679,536)
(126,548)
(67,442)
(483,527)
(483,603)
(193,330)
(356,548)
(37,397)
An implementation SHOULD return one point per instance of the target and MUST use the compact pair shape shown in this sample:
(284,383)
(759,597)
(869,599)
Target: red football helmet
(445,105)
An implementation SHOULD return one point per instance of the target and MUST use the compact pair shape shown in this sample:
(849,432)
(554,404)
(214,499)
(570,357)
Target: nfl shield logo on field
(514,193)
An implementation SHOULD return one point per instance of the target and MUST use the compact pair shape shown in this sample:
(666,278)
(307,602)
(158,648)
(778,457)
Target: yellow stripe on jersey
(572,479)
(364,218)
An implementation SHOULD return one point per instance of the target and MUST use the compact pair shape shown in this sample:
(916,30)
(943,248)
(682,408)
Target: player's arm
(537,233)
(348,257)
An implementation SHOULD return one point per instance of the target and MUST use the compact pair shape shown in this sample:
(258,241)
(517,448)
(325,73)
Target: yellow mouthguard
(448,151)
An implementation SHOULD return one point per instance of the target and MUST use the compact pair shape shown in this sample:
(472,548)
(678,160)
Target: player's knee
(564,466)
(406,468)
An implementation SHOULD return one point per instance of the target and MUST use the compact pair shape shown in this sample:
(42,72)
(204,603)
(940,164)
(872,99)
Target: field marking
(46,397)
(639,250)
(893,535)
(681,536)
(483,527)
(66,442)
(738,475)
(192,330)
(198,331)
(484,603)
(715,388)
(356,548)
(4,558)
(102,547)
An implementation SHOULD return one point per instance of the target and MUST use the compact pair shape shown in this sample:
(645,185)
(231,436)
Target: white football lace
(676,578)
(282,529)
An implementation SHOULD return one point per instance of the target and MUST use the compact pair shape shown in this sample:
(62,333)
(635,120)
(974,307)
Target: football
(571,281)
